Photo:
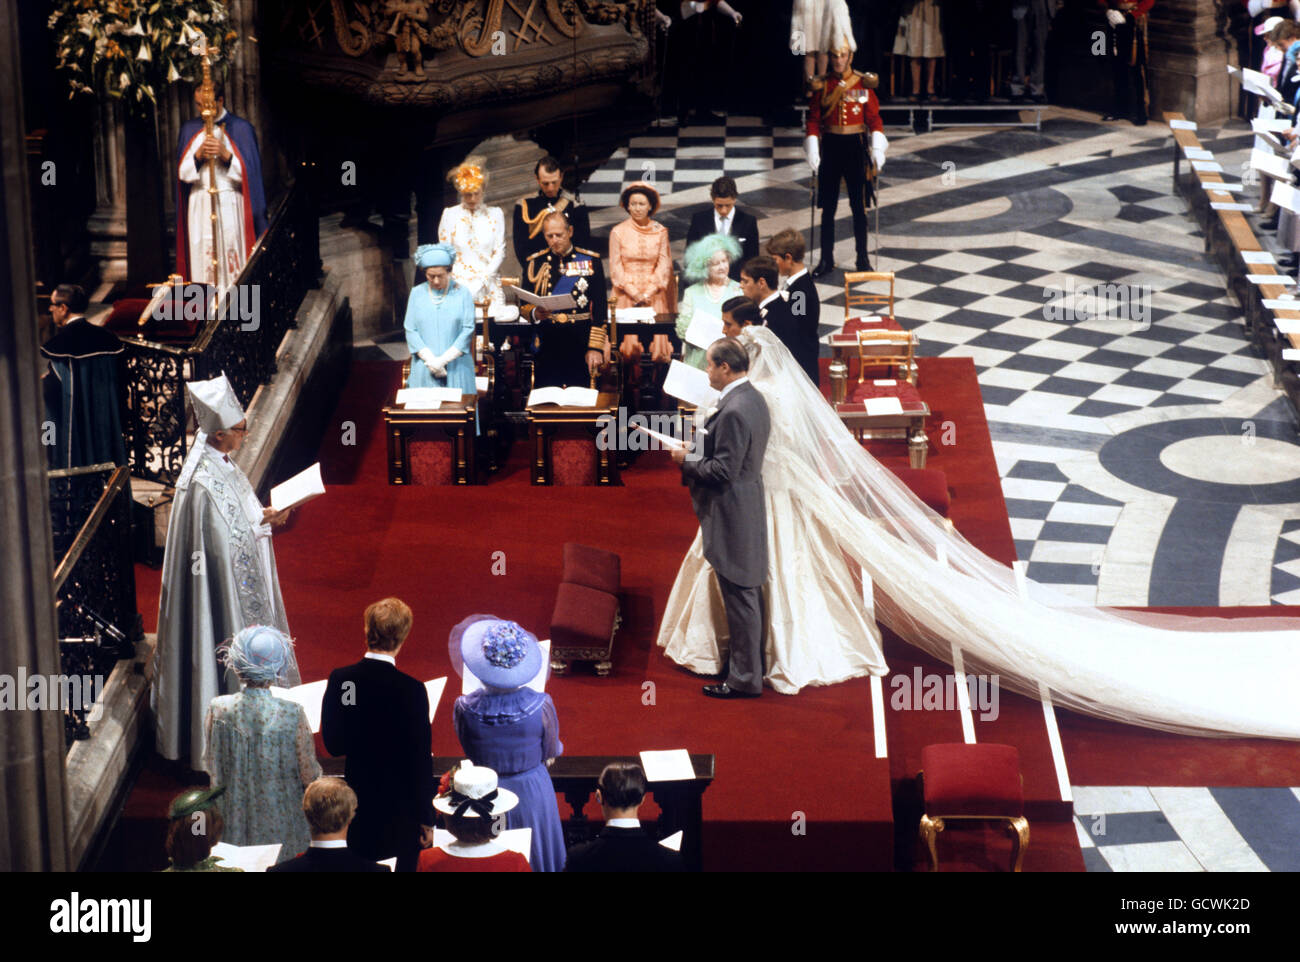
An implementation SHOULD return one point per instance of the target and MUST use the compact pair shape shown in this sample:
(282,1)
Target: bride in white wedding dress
(831,506)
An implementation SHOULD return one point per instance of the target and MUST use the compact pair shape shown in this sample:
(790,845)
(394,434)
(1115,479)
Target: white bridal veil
(1203,676)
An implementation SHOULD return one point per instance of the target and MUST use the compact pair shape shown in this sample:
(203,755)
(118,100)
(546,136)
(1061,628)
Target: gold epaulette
(544,250)
(583,250)
(869,80)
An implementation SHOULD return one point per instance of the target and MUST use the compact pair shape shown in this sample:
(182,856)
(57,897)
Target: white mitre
(215,406)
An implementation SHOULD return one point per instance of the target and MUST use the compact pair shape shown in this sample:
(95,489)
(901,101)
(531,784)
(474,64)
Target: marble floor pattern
(1146,458)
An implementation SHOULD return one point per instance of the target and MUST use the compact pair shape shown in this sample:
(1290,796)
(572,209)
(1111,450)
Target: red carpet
(777,757)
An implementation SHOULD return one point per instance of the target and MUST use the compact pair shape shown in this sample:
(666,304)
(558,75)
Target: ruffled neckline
(492,705)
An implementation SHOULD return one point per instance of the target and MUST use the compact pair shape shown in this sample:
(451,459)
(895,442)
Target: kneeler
(983,782)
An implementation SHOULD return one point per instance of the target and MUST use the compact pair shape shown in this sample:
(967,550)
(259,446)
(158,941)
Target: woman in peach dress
(641,268)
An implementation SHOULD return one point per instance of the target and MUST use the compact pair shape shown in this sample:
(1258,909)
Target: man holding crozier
(725,480)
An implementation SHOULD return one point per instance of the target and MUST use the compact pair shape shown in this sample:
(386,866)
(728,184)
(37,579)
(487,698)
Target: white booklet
(1229,205)
(1183,124)
(690,384)
(571,397)
(1197,153)
(1207,166)
(1258,257)
(427,398)
(299,489)
(1224,187)
(1280,279)
(311,695)
(703,329)
(1287,325)
(1281,304)
(469,682)
(670,766)
(883,405)
(1258,83)
(634,315)
(555,302)
(1270,126)
(251,858)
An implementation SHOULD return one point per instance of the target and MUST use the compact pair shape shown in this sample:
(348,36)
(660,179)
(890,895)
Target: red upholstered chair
(582,627)
(973,782)
(592,568)
(928,484)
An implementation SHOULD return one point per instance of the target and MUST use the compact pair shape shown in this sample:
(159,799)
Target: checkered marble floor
(1145,456)
(1136,829)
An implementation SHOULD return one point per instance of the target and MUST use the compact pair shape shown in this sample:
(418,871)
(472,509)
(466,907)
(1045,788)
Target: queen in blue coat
(506,726)
(440,324)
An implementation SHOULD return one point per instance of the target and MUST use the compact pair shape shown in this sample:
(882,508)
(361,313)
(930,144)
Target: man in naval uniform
(845,137)
(571,345)
(218,573)
(550,197)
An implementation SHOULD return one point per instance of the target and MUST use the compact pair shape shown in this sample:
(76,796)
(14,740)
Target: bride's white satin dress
(820,629)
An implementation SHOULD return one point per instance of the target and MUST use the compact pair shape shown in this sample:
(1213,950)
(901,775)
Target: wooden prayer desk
(456,419)
(846,349)
(908,426)
(545,421)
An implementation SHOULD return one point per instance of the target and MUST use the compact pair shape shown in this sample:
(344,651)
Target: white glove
(879,144)
(813,149)
(1256,7)
(1115,17)
(1018,13)
(449,355)
(431,362)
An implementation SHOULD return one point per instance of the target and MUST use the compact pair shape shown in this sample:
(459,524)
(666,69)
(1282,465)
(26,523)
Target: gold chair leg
(930,829)
(1020,826)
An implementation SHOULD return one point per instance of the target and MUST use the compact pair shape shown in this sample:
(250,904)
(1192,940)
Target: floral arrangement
(128,49)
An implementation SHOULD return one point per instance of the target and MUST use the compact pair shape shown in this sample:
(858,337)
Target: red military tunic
(844,106)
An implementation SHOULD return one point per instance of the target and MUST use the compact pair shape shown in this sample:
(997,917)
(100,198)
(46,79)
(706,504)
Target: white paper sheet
(1270,126)
(883,405)
(434,687)
(1258,83)
(571,397)
(1258,257)
(1229,205)
(469,682)
(251,858)
(885,382)
(1270,164)
(1207,166)
(1267,141)
(689,384)
(1182,125)
(634,315)
(704,329)
(665,441)
(309,696)
(480,384)
(669,766)
(1290,354)
(1225,187)
(427,398)
(299,489)
(1288,325)
(673,842)
(1270,279)
(1197,153)
(1281,304)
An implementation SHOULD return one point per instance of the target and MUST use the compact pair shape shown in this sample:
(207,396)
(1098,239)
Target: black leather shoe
(863,264)
(724,691)
(823,268)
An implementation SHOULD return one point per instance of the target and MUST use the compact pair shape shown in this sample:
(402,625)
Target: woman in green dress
(708,262)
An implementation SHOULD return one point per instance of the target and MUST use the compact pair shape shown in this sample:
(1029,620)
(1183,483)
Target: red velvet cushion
(583,617)
(430,454)
(573,461)
(906,393)
(965,779)
(928,484)
(592,567)
(125,319)
(855,324)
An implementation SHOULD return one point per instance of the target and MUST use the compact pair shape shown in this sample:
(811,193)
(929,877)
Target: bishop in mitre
(218,573)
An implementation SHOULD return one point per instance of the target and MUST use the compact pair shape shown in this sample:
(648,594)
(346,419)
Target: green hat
(195,800)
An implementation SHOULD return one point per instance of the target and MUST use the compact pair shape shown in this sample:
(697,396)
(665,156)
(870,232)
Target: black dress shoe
(863,264)
(724,691)
(1270,224)
(823,268)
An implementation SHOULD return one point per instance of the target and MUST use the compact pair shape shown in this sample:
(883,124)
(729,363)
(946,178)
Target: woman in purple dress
(508,727)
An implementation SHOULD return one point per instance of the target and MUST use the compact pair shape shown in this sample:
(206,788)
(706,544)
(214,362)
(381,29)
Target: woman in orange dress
(641,268)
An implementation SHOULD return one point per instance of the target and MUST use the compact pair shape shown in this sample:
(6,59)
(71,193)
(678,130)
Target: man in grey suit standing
(726,484)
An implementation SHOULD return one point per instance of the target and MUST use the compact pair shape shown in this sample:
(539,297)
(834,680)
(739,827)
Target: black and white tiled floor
(1145,457)
(1136,829)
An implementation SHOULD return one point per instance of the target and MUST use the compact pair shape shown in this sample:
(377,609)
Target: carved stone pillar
(33,816)
(1190,48)
(107,226)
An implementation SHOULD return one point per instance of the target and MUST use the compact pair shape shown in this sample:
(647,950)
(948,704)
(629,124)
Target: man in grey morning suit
(726,486)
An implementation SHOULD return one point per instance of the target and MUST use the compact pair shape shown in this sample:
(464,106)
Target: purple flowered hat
(500,653)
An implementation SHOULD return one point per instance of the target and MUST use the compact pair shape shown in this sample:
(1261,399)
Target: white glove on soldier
(813,149)
(1115,17)
(879,144)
